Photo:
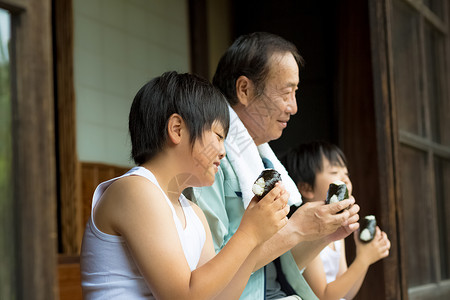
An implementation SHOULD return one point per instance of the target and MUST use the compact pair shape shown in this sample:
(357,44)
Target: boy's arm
(316,278)
(349,282)
(314,274)
(367,254)
(343,268)
(237,285)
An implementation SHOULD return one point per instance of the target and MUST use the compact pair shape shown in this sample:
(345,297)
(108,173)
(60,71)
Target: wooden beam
(69,178)
(34,149)
(387,148)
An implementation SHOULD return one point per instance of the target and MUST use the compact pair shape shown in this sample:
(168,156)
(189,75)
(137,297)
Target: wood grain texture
(34,149)
(387,143)
(68,165)
(93,174)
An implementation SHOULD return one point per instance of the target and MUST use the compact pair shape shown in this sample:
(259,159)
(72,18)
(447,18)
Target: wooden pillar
(34,148)
(68,167)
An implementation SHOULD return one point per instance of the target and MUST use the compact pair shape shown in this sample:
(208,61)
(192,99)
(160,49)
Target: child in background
(144,239)
(313,166)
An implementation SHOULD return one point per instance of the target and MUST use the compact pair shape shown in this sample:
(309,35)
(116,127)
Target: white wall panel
(120,45)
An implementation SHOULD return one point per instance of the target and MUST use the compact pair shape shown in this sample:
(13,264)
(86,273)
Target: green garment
(223,208)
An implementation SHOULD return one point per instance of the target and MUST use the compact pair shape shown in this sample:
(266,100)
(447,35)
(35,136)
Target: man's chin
(260,141)
(276,137)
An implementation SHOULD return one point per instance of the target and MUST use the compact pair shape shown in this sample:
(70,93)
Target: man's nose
(291,106)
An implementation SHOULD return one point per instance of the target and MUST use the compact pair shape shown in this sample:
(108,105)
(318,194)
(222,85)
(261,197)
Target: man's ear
(175,128)
(244,90)
(306,190)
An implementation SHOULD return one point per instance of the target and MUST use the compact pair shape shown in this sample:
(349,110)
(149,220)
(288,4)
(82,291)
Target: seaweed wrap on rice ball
(367,228)
(337,191)
(265,182)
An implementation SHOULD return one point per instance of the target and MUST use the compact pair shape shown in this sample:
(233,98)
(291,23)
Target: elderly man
(259,76)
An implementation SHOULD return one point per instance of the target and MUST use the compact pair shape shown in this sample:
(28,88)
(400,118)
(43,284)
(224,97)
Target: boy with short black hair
(313,166)
(144,239)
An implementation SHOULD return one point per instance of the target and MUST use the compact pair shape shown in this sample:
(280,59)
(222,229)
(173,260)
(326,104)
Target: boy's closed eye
(220,137)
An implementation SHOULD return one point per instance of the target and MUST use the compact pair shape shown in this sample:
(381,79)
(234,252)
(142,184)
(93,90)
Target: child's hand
(373,251)
(263,218)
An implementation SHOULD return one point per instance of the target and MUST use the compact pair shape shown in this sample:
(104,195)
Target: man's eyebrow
(292,84)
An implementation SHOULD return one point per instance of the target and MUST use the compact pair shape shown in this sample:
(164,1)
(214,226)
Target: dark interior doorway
(313,30)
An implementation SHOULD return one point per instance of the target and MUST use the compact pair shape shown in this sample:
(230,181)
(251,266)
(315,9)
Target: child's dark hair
(196,100)
(306,160)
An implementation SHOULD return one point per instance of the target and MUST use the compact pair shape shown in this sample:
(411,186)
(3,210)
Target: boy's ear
(244,90)
(306,190)
(175,128)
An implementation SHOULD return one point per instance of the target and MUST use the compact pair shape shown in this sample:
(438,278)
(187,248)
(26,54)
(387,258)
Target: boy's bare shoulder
(132,189)
(132,183)
(130,203)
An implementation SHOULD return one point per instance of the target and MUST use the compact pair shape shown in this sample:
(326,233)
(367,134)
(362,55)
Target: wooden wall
(69,278)
(92,174)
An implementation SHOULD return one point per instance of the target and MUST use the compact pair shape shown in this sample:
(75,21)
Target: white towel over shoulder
(245,158)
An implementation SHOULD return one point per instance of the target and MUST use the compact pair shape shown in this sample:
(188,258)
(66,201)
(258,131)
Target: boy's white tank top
(108,270)
(331,259)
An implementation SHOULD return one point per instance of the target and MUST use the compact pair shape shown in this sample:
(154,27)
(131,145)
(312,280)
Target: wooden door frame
(387,145)
(355,115)
(391,139)
(68,167)
(365,135)
(33,147)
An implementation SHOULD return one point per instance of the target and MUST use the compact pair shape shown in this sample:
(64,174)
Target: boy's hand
(316,220)
(263,218)
(378,248)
